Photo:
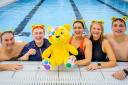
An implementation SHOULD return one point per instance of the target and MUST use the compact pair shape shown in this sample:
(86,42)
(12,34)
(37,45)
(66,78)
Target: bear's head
(61,35)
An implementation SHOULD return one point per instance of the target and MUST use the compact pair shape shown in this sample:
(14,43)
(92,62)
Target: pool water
(20,16)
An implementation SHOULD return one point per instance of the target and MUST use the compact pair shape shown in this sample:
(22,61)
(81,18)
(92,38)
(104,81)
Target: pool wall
(6,2)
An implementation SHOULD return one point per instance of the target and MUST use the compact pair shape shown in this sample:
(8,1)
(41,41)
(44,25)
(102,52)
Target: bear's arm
(72,49)
(47,52)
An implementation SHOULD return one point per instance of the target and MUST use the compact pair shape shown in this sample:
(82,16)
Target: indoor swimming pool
(20,15)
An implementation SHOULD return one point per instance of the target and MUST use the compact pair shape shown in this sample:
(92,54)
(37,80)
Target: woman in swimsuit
(83,44)
(33,50)
(101,49)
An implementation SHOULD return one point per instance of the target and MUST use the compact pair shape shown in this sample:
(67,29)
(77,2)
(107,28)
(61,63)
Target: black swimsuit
(80,55)
(97,53)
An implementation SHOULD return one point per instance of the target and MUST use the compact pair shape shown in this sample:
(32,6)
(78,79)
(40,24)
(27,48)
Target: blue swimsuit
(39,50)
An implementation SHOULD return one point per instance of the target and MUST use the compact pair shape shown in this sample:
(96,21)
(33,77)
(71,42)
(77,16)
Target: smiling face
(7,40)
(38,35)
(96,30)
(118,27)
(78,29)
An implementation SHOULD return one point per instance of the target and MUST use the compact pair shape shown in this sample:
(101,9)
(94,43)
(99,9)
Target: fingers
(76,63)
(19,66)
(119,75)
(32,51)
(91,67)
(20,58)
(14,67)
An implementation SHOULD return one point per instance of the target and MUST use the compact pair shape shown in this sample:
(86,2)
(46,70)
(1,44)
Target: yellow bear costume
(58,52)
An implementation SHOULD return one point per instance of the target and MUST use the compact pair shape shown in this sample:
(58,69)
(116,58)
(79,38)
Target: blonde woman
(101,49)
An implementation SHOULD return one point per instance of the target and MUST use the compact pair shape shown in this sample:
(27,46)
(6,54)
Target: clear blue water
(59,12)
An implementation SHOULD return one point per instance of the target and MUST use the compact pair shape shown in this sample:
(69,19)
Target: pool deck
(33,73)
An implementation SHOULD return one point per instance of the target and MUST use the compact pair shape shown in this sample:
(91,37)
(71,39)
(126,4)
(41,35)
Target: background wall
(6,2)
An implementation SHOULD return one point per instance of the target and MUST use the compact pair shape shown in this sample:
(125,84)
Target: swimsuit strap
(81,46)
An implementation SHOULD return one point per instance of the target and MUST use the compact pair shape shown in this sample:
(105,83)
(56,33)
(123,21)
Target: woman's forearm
(108,64)
(3,67)
(83,62)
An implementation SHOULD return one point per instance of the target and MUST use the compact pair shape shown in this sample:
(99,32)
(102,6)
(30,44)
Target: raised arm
(25,54)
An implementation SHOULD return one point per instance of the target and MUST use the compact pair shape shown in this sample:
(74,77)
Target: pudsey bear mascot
(59,51)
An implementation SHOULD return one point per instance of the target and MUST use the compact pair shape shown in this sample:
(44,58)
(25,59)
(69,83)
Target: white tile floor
(33,73)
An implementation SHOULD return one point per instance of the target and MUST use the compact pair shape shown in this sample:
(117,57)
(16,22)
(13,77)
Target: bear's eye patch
(62,33)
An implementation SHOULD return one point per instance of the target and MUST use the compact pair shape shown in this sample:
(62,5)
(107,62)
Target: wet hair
(119,19)
(102,30)
(5,32)
(78,21)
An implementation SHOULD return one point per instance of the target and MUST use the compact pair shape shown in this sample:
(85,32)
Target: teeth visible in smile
(96,33)
(119,31)
(38,38)
(9,45)
(77,33)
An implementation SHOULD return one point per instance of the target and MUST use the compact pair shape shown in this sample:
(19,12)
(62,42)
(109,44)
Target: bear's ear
(67,26)
(49,29)
(125,18)
(33,26)
(113,18)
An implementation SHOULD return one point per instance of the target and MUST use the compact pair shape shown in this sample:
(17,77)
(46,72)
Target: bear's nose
(57,36)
